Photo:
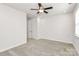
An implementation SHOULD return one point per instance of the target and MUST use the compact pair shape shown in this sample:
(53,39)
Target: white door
(29,28)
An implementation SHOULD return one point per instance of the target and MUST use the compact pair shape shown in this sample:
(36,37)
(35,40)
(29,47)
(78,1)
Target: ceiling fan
(41,9)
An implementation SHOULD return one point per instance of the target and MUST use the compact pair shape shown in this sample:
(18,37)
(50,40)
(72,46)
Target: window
(77,23)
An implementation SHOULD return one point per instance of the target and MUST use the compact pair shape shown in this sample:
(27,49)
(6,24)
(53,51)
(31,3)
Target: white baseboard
(62,41)
(54,40)
(12,47)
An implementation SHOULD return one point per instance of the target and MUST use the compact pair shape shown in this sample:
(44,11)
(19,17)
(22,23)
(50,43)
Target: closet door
(29,28)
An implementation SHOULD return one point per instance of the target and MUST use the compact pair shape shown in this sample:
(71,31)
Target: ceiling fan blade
(34,9)
(48,8)
(38,12)
(46,12)
(39,4)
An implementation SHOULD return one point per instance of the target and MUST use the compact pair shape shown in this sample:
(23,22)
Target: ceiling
(58,8)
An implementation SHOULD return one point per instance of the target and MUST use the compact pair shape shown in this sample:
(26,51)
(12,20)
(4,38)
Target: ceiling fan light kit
(42,9)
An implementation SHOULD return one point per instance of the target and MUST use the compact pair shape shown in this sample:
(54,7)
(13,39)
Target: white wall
(57,27)
(12,27)
(75,37)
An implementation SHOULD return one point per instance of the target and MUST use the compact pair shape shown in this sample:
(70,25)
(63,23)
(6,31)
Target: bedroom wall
(13,28)
(57,27)
(75,37)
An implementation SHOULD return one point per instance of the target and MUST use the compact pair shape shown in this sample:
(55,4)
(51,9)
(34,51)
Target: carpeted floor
(42,47)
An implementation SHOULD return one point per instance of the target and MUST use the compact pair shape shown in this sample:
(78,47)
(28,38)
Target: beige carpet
(42,47)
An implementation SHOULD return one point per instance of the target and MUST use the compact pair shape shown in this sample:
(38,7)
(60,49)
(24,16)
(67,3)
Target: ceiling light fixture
(41,10)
